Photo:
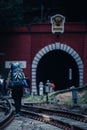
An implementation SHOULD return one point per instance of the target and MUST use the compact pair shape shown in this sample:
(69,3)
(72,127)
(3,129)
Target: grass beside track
(61,97)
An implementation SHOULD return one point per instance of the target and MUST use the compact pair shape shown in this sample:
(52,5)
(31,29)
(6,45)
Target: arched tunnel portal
(58,63)
(58,67)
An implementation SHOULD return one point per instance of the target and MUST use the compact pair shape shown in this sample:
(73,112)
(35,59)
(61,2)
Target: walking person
(52,87)
(47,89)
(74,95)
(15,84)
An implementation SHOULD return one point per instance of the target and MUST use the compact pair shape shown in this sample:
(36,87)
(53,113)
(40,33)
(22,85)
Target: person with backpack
(16,85)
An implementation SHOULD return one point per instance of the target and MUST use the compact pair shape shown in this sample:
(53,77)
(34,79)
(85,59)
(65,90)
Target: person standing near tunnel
(15,78)
(52,86)
(47,89)
(74,94)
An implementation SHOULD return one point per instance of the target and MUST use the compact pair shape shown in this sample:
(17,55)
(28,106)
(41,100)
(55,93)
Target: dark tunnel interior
(54,66)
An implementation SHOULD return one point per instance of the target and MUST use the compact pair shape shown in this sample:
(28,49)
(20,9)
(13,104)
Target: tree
(11,13)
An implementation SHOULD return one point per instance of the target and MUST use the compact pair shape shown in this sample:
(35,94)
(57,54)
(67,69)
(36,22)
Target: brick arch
(51,47)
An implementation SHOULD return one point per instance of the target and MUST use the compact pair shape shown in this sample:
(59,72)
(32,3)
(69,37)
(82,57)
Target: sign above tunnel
(22,64)
(57,23)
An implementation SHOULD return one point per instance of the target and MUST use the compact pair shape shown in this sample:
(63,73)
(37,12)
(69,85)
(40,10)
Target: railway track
(53,117)
(8,114)
(62,113)
(62,119)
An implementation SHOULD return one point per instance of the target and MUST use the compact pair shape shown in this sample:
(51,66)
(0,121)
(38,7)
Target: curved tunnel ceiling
(55,66)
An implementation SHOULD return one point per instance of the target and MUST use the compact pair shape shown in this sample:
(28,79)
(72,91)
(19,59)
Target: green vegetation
(35,98)
(11,13)
(83,97)
(64,97)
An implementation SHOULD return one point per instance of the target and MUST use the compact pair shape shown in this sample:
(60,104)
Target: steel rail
(9,116)
(37,114)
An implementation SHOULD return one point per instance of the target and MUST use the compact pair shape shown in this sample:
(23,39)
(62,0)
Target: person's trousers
(17,104)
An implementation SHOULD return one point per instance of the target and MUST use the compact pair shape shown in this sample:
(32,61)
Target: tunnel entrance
(60,67)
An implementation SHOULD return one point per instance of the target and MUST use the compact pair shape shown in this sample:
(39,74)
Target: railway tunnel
(60,67)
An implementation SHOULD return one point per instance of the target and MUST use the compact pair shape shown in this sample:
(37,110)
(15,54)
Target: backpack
(17,77)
